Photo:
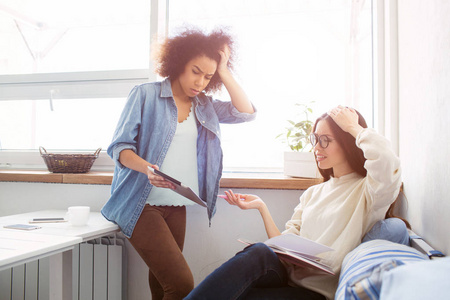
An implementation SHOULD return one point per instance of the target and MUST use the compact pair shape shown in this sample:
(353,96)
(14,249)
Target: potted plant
(300,161)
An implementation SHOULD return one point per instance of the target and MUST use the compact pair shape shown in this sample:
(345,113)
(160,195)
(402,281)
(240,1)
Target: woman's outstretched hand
(346,118)
(243,201)
(253,202)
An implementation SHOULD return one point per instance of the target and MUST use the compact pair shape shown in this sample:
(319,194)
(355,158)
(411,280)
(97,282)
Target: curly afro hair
(175,52)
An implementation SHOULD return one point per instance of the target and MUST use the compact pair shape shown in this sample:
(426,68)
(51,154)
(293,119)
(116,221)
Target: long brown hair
(354,156)
(391,211)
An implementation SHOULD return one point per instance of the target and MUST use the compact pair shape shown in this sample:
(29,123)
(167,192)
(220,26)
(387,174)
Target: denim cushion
(363,268)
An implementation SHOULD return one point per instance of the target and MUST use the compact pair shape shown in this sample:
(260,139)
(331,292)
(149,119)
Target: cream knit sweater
(338,212)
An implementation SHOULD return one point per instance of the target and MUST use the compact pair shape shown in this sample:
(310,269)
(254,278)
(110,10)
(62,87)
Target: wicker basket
(68,163)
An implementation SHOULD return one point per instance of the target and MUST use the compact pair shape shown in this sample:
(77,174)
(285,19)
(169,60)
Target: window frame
(73,85)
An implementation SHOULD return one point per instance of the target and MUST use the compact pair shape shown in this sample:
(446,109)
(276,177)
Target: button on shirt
(147,126)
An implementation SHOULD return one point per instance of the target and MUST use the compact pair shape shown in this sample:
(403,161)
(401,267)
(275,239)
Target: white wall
(424,92)
(206,247)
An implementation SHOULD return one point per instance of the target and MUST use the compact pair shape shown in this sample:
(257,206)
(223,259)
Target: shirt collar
(166,92)
(166,88)
(202,100)
(345,178)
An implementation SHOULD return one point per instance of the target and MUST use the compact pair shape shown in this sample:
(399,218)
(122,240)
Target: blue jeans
(254,273)
(392,229)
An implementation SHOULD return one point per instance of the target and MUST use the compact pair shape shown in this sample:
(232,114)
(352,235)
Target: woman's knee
(260,253)
(258,248)
(392,229)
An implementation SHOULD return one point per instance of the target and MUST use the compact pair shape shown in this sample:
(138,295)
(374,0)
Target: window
(289,52)
(68,66)
(49,116)
(51,36)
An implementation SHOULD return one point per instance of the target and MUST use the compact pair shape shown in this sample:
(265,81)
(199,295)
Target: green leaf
(297,136)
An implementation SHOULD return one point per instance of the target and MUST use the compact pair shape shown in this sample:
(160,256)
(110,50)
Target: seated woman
(362,179)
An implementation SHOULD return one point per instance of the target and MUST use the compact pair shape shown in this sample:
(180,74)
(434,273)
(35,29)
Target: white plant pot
(300,164)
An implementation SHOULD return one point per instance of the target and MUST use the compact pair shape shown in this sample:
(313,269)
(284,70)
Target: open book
(298,250)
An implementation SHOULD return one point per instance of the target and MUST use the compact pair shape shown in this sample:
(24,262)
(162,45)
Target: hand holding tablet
(158,180)
(179,187)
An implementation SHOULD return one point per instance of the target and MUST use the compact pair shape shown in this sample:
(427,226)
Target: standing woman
(362,178)
(173,126)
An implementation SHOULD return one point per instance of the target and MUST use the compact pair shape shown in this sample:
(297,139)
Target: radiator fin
(98,273)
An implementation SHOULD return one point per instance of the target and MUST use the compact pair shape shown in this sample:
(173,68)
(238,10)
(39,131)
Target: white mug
(78,215)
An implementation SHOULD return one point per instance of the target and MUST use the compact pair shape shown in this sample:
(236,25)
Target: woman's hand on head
(346,118)
(157,180)
(224,53)
(244,201)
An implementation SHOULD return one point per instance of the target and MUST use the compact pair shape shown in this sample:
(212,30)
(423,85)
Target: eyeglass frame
(315,139)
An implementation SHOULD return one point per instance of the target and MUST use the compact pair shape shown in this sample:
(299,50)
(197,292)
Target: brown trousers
(159,239)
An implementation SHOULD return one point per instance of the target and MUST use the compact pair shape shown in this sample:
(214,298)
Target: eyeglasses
(323,140)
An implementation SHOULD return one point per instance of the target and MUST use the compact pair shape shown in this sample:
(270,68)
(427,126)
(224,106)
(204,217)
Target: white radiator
(22,282)
(99,272)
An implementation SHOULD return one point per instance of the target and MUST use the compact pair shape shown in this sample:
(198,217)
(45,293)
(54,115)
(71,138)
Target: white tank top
(180,163)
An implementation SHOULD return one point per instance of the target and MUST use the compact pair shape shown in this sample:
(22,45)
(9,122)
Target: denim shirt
(147,126)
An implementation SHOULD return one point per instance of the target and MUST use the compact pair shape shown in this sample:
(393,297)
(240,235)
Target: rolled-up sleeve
(227,113)
(125,135)
(115,152)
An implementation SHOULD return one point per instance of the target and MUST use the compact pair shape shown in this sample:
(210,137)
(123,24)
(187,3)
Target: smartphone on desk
(22,227)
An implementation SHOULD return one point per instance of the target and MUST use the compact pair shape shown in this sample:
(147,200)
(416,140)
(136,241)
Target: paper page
(304,262)
(295,243)
(297,257)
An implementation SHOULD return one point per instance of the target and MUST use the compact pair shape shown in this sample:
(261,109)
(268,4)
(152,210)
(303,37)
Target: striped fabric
(363,268)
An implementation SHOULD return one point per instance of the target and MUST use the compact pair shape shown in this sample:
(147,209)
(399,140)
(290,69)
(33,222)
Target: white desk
(18,246)
(97,225)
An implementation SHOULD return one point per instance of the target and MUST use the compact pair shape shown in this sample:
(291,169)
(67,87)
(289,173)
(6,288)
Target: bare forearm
(248,201)
(237,94)
(355,130)
(131,160)
(270,226)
